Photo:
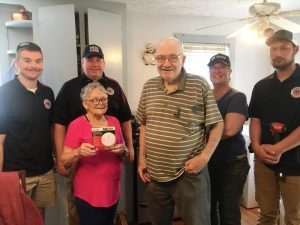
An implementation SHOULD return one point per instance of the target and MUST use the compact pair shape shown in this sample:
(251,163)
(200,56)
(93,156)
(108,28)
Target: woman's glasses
(96,101)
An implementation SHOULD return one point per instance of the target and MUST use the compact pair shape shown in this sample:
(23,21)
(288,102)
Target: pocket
(189,118)
(196,176)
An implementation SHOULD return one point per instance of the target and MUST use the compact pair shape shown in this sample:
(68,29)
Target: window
(198,56)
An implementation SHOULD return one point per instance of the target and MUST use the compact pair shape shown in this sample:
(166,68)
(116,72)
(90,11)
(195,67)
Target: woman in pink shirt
(99,162)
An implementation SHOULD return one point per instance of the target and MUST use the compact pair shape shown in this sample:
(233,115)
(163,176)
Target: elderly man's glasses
(171,58)
(96,101)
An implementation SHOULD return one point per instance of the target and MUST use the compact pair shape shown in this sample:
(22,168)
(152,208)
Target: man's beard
(284,66)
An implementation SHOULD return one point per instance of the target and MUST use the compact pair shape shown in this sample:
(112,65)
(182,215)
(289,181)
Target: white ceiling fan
(265,18)
(267,14)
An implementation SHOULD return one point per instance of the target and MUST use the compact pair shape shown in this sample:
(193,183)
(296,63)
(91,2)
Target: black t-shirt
(276,101)
(25,119)
(68,105)
(228,149)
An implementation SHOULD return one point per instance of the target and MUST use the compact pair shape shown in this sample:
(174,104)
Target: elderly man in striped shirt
(180,129)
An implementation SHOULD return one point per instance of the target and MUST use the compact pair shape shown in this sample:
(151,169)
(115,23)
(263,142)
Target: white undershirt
(32,89)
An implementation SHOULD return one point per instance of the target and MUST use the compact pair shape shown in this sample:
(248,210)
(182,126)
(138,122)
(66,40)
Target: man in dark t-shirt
(275,133)
(25,126)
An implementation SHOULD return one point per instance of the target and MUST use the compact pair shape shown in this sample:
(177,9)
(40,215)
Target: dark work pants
(227,185)
(190,193)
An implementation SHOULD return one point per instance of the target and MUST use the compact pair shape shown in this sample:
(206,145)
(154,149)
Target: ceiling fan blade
(293,13)
(224,23)
(240,30)
(285,24)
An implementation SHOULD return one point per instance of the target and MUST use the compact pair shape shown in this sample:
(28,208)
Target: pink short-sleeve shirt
(97,178)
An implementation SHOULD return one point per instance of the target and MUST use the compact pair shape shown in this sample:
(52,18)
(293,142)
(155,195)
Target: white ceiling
(211,8)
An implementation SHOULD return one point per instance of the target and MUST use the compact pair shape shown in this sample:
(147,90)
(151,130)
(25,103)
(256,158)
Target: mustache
(278,58)
(34,69)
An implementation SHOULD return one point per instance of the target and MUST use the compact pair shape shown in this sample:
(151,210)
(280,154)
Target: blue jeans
(227,185)
(190,193)
(90,215)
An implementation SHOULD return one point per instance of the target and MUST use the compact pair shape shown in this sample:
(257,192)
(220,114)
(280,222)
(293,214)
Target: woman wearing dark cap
(228,167)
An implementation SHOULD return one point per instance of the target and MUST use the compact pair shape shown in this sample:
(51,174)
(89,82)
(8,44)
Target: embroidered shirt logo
(295,92)
(110,91)
(47,103)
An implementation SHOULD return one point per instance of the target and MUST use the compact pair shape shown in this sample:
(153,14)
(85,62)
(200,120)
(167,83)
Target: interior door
(57,37)
(105,30)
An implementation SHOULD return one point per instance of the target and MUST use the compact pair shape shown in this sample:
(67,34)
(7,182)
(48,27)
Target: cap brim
(93,55)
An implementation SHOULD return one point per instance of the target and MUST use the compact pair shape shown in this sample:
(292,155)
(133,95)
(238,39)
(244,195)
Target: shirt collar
(86,79)
(295,74)
(23,88)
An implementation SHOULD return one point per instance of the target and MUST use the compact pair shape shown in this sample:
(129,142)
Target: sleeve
(141,116)
(124,112)
(212,113)
(72,139)
(3,112)
(238,104)
(60,111)
(253,105)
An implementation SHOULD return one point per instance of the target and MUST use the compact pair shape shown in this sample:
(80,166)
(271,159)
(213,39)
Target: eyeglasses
(96,101)
(29,45)
(171,58)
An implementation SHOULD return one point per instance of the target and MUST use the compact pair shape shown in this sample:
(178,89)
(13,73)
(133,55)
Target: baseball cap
(281,35)
(92,50)
(219,58)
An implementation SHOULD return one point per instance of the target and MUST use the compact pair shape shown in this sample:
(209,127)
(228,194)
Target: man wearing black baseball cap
(68,106)
(92,50)
(275,133)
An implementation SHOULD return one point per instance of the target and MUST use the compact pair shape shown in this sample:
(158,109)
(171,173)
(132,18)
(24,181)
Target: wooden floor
(249,217)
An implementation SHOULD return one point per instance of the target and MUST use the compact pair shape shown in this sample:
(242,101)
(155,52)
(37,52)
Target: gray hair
(85,91)
(171,40)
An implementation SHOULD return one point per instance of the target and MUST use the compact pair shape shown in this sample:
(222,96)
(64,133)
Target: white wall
(251,64)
